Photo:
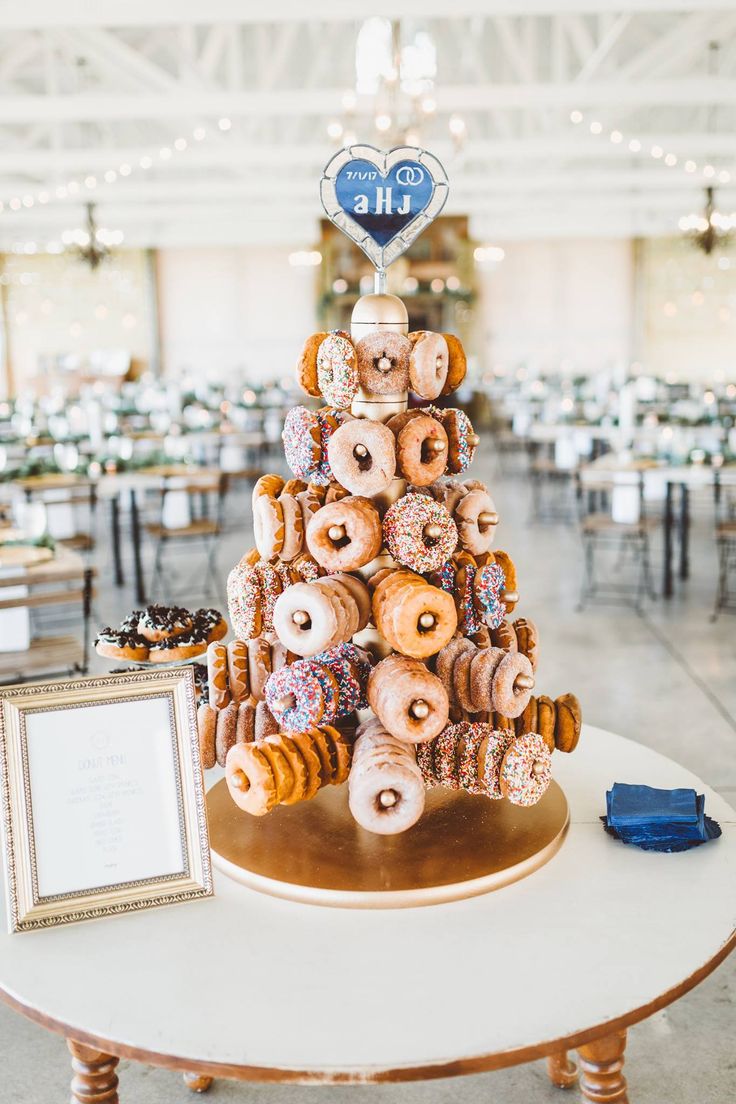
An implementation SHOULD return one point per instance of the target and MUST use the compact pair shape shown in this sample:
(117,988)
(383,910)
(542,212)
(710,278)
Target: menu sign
(103,797)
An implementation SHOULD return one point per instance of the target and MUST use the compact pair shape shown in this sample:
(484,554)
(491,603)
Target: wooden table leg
(561,1071)
(198,1082)
(601,1070)
(95,1080)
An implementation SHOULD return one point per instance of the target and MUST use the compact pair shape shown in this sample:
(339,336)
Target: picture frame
(105,813)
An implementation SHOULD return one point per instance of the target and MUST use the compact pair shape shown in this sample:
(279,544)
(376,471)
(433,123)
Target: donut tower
(374,644)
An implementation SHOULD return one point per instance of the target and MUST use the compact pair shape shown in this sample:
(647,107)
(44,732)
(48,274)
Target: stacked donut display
(374,638)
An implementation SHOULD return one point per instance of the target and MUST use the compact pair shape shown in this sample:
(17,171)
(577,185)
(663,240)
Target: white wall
(557,303)
(241,310)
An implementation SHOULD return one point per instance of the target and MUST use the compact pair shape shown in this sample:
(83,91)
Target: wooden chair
(80,495)
(63,581)
(725,600)
(604,530)
(206,501)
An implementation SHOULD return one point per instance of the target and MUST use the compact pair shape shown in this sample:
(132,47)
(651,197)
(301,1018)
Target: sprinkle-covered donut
(457,364)
(345,535)
(250,779)
(301,437)
(445,755)
(461,436)
(362,455)
(469,746)
(425,762)
(295,695)
(428,363)
(252,589)
(408,699)
(490,758)
(383,362)
(329,419)
(467,612)
(306,619)
(488,584)
(337,369)
(421,447)
(513,682)
(306,369)
(419,533)
(476,518)
(526,770)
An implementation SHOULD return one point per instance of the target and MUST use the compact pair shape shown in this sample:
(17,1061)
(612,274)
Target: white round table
(251,987)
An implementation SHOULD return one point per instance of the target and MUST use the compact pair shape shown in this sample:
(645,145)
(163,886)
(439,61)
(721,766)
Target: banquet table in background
(355,998)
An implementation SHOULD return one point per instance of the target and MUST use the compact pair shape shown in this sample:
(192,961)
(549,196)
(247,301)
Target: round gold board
(314,852)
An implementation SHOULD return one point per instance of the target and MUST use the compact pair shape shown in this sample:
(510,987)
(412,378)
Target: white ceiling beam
(695,91)
(604,47)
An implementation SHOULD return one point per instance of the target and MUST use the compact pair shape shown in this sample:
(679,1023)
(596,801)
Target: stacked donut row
(494,763)
(319,690)
(557,721)
(478,680)
(385,787)
(364,455)
(236,723)
(285,768)
(332,366)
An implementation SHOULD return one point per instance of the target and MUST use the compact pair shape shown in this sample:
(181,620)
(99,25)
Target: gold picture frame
(105,814)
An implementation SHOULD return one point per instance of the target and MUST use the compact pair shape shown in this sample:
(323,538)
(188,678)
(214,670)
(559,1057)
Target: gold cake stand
(315,853)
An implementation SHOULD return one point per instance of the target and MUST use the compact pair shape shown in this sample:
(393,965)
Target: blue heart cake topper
(383,201)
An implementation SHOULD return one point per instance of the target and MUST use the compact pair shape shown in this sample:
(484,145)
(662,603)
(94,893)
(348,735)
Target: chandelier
(395,74)
(709,230)
(91,243)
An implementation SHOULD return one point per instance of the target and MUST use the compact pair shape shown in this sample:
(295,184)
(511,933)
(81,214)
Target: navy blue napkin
(658,820)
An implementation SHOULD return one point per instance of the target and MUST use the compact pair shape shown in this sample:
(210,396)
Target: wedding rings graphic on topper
(383,201)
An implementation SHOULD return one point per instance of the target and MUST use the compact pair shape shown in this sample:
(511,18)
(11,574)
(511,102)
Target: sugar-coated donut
(225,734)
(337,369)
(457,364)
(476,519)
(408,699)
(362,456)
(306,619)
(245,728)
(421,447)
(302,445)
(569,722)
(526,770)
(250,779)
(264,722)
(428,363)
(489,583)
(306,368)
(513,682)
(206,730)
(482,669)
(383,362)
(419,533)
(345,535)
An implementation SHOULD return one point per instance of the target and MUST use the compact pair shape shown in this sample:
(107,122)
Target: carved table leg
(601,1066)
(198,1082)
(95,1080)
(561,1071)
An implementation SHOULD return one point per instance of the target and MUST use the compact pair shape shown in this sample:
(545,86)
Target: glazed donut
(362,455)
(415,618)
(419,533)
(546,720)
(476,519)
(503,636)
(302,744)
(491,755)
(237,670)
(302,442)
(526,770)
(268,526)
(569,722)
(206,730)
(448,491)
(488,587)
(270,485)
(421,447)
(301,695)
(360,594)
(528,720)
(527,639)
(217,679)
(306,368)
(383,362)
(293,527)
(513,682)
(457,364)
(408,699)
(428,363)
(307,619)
(259,666)
(510,594)
(250,779)
(461,436)
(302,786)
(345,535)
(337,369)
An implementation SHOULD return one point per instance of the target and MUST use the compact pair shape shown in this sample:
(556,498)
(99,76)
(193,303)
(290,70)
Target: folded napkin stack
(658,820)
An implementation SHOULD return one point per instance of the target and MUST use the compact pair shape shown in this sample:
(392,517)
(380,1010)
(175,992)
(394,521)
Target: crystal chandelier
(709,230)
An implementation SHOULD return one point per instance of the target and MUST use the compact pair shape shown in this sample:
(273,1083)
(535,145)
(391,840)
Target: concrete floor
(667,678)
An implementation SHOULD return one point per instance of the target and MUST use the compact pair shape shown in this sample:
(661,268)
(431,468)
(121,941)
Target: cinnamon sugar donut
(383,362)
(206,730)
(457,364)
(428,363)
(345,535)
(513,682)
(362,456)
(408,699)
(337,369)
(419,533)
(476,518)
(526,770)
(421,447)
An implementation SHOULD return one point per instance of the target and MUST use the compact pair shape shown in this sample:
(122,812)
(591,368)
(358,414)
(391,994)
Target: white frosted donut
(317,625)
(386,798)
